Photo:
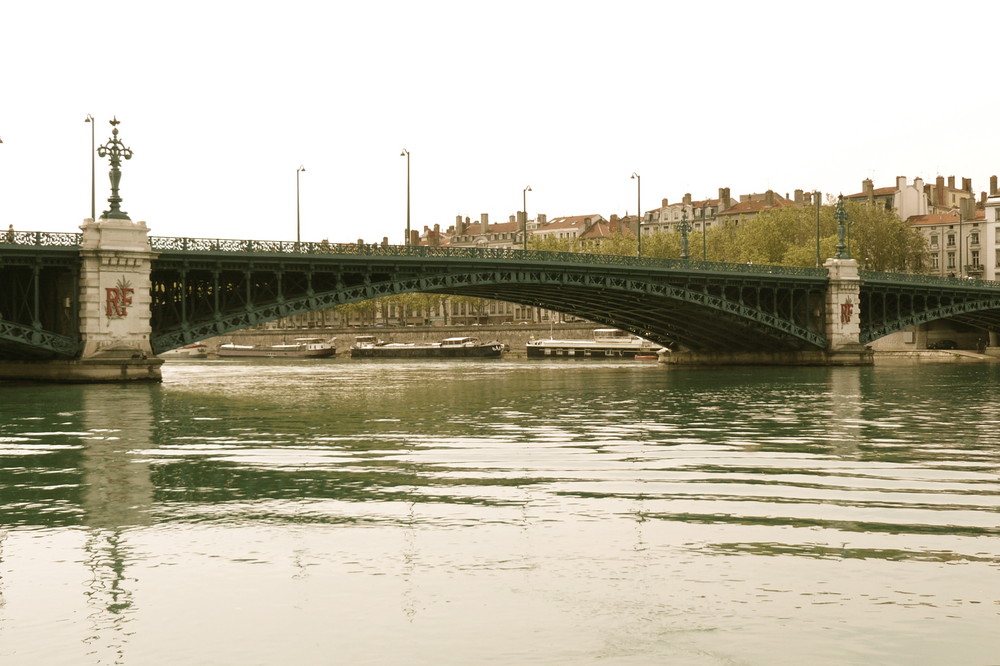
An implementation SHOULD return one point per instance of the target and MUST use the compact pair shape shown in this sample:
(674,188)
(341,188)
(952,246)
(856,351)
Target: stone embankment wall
(514,335)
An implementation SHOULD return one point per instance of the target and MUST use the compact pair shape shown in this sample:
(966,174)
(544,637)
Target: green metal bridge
(208,287)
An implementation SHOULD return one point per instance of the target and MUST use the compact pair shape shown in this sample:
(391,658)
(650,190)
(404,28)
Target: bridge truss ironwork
(893,302)
(208,287)
(39,276)
(204,288)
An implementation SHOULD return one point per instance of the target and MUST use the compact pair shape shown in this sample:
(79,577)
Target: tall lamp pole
(524,211)
(819,262)
(685,228)
(93,187)
(407,154)
(638,211)
(298,209)
(704,233)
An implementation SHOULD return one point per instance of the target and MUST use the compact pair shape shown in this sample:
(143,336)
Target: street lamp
(685,228)
(704,233)
(407,154)
(298,209)
(819,261)
(638,211)
(524,210)
(93,187)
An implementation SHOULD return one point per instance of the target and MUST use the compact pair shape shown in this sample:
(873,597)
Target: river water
(503,512)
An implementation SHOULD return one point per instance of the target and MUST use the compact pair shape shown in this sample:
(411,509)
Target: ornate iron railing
(169,243)
(40,238)
(917,278)
(164,243)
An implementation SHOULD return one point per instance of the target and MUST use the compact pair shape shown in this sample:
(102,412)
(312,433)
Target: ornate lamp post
(684,235)
(638,212)
(524,210)
(407,154)
(116,151)
(93,184)
(298,209)
(841,216)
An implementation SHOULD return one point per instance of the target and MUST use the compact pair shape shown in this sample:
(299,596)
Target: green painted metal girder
(28,342)
(569,289)
(891,303)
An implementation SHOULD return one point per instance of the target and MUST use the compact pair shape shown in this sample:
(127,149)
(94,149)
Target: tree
(880,241)
(549,243)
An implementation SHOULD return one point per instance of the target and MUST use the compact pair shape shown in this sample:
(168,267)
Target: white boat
(459,347)
(196,350)
(300,348)
(606,343)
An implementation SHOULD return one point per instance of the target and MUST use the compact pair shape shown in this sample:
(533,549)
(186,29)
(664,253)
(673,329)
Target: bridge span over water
(114,292)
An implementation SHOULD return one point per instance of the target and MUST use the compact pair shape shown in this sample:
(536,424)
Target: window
(974,258)
(934,240)
(936,260)
(974,238)
(996,261)
(951,260)
(951,240)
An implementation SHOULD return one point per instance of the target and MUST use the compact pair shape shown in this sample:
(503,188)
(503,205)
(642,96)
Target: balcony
(974,269)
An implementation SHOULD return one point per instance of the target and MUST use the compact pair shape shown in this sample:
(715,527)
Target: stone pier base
(861,356)
(92,370)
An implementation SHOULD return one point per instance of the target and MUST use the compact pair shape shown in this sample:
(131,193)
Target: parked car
(943,344)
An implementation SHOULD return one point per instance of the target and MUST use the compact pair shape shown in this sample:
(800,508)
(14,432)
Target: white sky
(222,101)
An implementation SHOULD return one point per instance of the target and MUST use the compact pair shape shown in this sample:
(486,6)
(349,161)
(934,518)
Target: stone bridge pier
(114,311)
(843,315)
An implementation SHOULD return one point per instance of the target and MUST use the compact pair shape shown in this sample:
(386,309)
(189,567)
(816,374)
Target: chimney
(459,227)
(939,191)
(769,197)
(541,219)
(512,218)
(993,186)
(744,198)
(614,219)
(967,185)
(687,199)
(868,189)
(798,197)
(807,199)
(724,200)
(385,241)
(414,238)
(982,199)
(664,204)
(951,182)
(484,223)
(967,208)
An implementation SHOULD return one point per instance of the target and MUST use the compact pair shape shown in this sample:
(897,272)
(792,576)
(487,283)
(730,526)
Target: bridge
(98,305)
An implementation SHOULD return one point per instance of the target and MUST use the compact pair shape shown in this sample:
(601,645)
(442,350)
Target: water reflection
(116,494)
(590,491)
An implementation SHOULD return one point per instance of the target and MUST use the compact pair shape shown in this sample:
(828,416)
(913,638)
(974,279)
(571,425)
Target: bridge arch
(892,302)
(695,309)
